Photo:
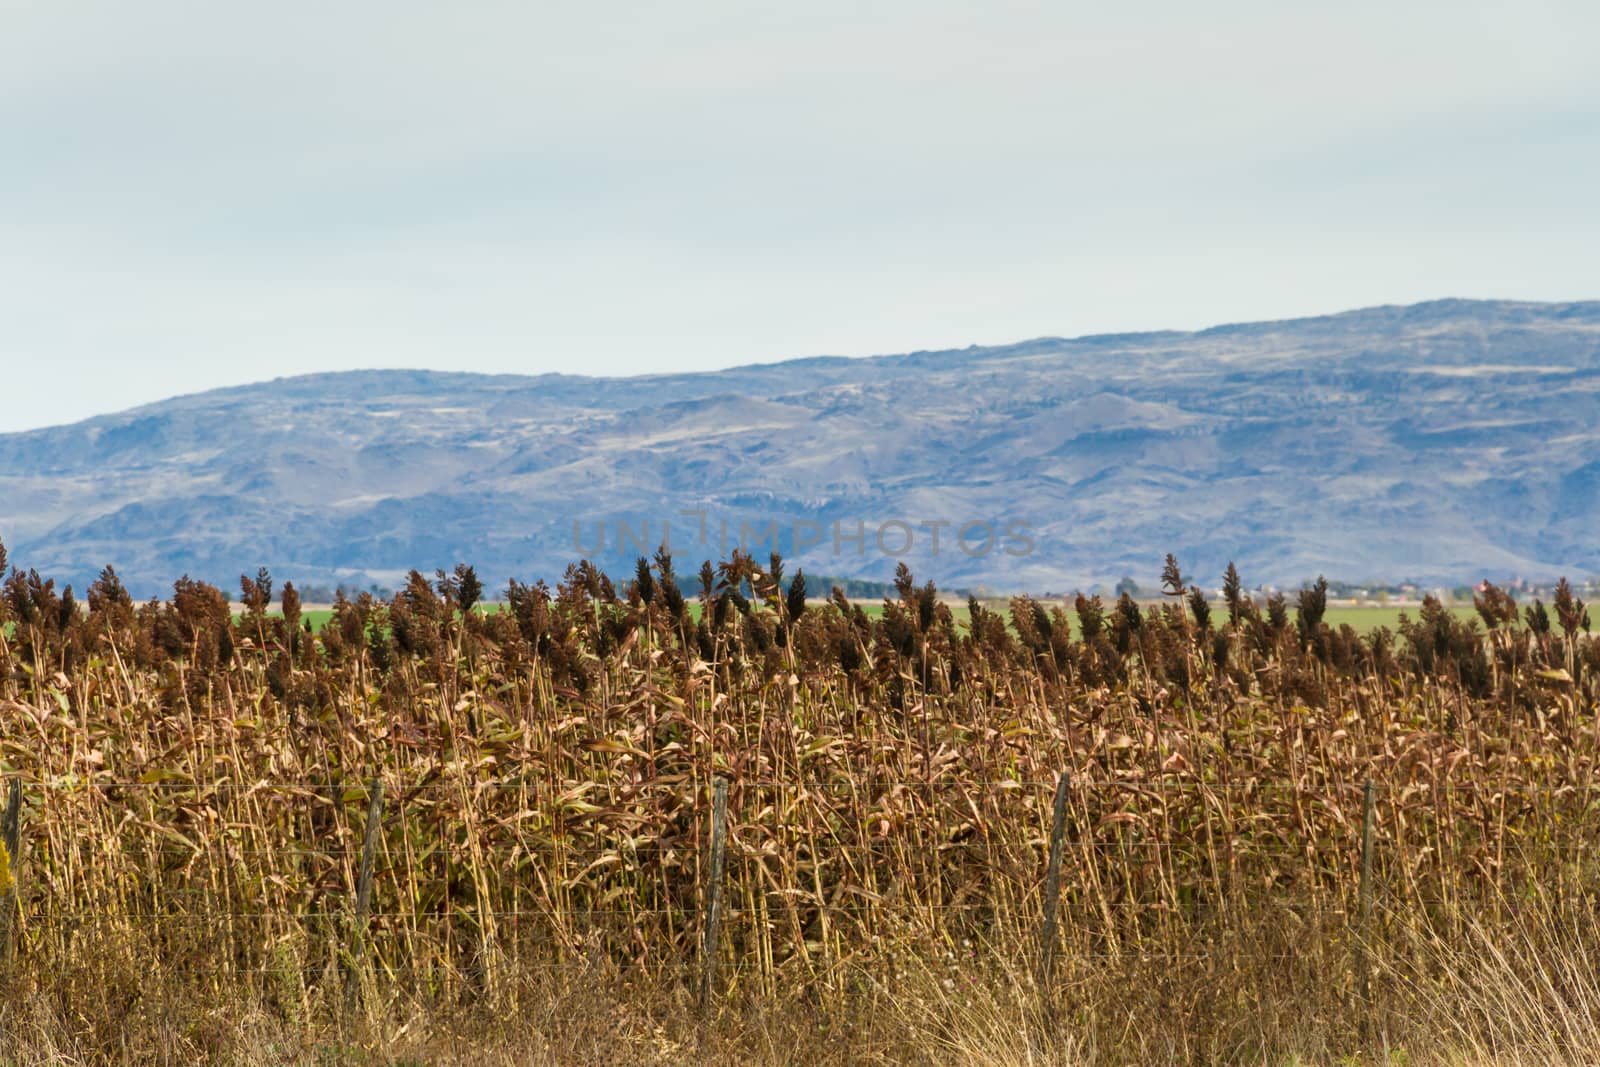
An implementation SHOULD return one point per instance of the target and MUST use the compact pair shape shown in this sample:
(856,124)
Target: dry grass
(195,791)
(1484,1001)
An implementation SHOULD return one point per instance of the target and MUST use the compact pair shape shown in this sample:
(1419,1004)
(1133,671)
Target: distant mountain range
(1438,442)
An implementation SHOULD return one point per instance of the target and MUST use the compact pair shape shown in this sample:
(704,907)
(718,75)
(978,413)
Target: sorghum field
(428,834)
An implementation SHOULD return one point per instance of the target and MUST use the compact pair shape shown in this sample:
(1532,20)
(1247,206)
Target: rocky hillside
(1434,442)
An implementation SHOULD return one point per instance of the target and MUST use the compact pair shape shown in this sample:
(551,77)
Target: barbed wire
(156,917)
(341,969)
(803,852)
(355,789)
(891,909)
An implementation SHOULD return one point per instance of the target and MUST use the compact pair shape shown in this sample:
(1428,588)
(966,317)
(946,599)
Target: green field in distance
(1363,619)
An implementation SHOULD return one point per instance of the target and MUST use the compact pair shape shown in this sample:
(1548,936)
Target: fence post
(1052,882)
(1363,965)
(369,851)
(708,952)
(11,831)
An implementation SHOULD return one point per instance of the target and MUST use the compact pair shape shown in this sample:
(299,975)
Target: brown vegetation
(195,786)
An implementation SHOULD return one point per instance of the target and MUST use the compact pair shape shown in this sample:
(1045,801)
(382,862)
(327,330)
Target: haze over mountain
(1438,442)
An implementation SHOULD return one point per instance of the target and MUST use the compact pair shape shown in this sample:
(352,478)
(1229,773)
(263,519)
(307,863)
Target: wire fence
(312,787)
(1111,861)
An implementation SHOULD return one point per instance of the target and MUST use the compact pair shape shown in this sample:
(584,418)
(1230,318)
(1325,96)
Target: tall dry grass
(195,790)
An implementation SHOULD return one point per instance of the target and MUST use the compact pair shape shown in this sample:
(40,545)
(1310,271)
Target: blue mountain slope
(1433,442)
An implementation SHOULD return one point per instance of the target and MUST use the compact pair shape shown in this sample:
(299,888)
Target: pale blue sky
(196,194)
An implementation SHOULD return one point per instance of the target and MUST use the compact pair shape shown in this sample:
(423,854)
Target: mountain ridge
(1432,441)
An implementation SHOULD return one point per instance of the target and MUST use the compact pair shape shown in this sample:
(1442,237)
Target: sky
(198,194)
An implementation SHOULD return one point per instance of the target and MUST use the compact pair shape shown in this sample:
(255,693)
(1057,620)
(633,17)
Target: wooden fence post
(713,930)
(11,831)
(1363,965)
(1052,882)
(369,855)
